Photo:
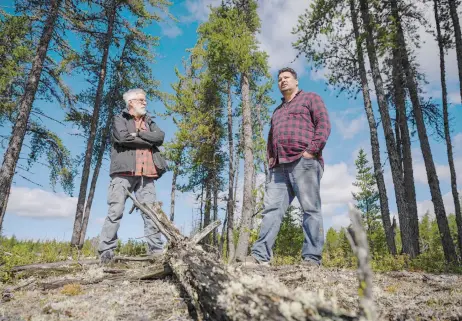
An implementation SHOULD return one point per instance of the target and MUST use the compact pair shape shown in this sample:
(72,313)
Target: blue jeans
(300,178)
(145,193)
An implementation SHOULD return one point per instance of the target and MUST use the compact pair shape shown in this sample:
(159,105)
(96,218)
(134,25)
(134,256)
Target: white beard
(138,111)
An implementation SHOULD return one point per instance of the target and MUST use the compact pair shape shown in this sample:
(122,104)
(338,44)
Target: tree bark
(230,201)
(375,146)
(458,37)
(433,182)
(396,172)
(11,157)
(399,96)
(244,231)
(173,192)
(94,122)
(447,132)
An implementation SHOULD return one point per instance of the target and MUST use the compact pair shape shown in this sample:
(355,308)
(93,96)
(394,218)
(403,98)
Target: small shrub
(72,289)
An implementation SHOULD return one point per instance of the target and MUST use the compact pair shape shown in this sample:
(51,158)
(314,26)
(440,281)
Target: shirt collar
(298,92)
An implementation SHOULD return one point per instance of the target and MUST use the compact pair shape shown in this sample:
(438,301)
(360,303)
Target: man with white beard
(135,164)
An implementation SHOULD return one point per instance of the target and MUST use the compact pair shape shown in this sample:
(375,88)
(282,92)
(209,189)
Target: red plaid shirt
(297,126)
(144,162)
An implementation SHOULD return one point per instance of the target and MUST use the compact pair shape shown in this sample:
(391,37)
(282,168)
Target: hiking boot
(310,263)
(250,260)
(106,257)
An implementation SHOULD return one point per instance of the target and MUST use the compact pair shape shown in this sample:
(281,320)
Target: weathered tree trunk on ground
(230,201)
(378,171)
(433,182)
(404,146)
(246,215)
(458,37)
(447,132)
(111,16)
(11,156)
(221,293)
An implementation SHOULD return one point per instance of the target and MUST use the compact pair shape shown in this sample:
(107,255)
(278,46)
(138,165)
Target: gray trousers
(145,193)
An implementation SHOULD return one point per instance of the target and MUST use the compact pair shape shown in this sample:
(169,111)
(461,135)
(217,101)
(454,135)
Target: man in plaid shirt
(299,131)
(135,164)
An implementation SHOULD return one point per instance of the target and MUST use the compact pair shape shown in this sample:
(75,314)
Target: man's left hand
(307,155)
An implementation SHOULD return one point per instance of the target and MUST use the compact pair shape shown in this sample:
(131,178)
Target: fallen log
(220,292)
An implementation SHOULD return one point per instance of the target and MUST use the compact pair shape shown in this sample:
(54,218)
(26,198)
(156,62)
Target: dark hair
(289,70)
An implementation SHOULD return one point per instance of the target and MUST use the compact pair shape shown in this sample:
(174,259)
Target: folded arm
(155,136)
(122,137)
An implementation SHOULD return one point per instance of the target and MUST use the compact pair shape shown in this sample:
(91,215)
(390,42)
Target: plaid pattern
(297,126)
(144,163)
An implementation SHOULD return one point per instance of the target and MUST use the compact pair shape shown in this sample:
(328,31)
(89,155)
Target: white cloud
(454,97)
(199,10)
(37,203)
(339,221)
(170,30)
(278,18)
(427,205)
(457,142)
(336,185)
(349,122)
(420,172)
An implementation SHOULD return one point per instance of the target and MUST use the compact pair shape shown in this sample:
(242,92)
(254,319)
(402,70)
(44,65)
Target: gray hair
(129,95)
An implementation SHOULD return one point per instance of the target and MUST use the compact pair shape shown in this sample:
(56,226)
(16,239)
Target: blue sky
(37,213)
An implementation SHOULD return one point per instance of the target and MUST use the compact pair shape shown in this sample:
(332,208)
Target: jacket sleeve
(121,136)
(322,126)
(155,136)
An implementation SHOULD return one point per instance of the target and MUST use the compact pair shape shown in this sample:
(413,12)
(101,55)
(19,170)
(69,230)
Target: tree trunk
(215,208)
(244,231)
(3,207)
(208,206)
(378,171)
(458,37)
(94,122)
(396,172)
(405,146)
(94,179)
(173,192)
(230,202)
(433,182)
(447,132)
(11,156)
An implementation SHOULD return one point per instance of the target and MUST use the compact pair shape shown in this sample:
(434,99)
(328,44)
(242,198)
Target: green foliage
(367,199)
(59,158)
(14,252)
(289,241)
(15,54)
(337,252)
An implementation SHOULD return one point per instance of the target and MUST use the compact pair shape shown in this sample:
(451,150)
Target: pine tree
(367,197)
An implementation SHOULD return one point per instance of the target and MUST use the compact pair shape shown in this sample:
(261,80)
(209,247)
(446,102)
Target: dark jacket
(124,145)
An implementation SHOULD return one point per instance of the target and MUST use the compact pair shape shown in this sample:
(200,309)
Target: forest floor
(398,295)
